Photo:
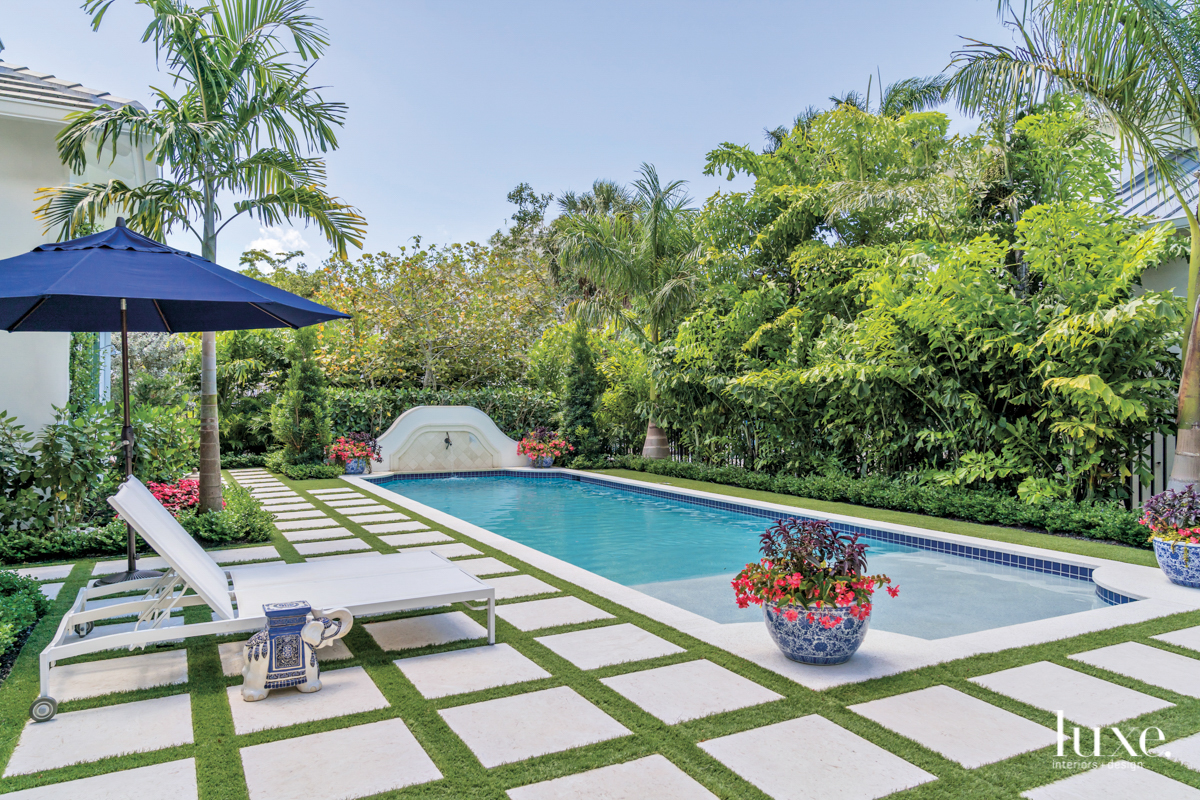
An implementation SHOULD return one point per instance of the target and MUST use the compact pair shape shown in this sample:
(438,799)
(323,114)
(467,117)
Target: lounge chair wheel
(43,709)
(82,631)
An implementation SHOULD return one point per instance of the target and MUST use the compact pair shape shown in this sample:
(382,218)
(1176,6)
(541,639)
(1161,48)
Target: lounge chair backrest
(137,506)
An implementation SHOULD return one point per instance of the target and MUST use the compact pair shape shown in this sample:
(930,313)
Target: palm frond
(153,208)
(341,224)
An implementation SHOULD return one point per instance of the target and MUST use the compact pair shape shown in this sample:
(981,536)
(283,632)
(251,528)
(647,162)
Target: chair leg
(491,620)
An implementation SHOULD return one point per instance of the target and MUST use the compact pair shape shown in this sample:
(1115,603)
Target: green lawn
(1065,544)
(216,745)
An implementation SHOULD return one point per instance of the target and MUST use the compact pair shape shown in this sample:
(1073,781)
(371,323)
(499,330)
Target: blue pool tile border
(920,542)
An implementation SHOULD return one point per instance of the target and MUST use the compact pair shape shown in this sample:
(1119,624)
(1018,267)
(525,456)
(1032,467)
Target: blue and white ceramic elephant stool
(285,652)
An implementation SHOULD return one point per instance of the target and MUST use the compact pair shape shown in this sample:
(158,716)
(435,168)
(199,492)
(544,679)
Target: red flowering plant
(351,448)
(808,565)
(542,442)
(179,496)
(1173,516)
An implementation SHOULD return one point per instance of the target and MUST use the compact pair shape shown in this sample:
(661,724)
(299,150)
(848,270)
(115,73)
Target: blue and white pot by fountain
(356,466)
(1179,561)
(811,642)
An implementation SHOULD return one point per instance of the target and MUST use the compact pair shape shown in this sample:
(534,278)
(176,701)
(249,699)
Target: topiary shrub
(581,396)
(300,418)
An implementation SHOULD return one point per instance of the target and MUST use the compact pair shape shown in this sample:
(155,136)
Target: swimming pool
(685,553)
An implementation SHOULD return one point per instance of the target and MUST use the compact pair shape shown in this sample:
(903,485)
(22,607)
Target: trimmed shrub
(243,460)
(242,520)
(300,417)
(1109,521)
(581,396)
(21,604)
(302,472)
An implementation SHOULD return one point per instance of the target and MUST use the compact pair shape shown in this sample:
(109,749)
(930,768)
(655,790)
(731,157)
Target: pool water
(687,554)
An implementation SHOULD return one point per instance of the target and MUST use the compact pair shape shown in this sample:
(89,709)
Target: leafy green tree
(239,127)
(1135,61)
(639,266)
(300,417)
(581,394)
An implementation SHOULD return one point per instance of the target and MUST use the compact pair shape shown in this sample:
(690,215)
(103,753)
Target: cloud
(278,240)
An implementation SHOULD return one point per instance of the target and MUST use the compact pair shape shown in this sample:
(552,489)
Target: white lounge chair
(381,585)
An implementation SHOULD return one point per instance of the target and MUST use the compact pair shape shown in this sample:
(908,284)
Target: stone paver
(368,508)
(305,524)
(147,562)
(1188,638)
(470,670)
(125,674)
(361,761)
(536,723)
(75,736)
(1089,701)
(537,614)
(310,534)
(238,555)
(334,546)
(282,503)
(397,527)
(347,502)
(508,588)
(366,554)
(174,780)
(343,691)
(485,566)
(960,727)
(1148,665)
(455,550)
(276,508)
(407,539)
(373,518)
(613,644)
(231,655)
(51,590)
(52,573)
(692,690)
(811,758)
(404,634)
(1121,781)
(346,488)
(289,515)
(1186,751)
(649,778)
(335,494)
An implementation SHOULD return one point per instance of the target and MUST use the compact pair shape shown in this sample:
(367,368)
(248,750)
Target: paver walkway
(580,699)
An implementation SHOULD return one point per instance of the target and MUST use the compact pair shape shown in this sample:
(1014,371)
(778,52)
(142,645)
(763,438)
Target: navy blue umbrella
(120,280)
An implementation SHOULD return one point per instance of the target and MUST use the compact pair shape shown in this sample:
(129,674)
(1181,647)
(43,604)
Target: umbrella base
(122,577)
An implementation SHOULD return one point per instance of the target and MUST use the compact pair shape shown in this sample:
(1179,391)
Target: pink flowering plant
(542,442)
(351,448)
(175,497)
(807,566)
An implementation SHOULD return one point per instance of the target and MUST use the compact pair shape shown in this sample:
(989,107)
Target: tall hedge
(515,410)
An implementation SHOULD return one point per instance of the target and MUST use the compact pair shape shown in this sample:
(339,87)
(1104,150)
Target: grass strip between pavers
(216,746)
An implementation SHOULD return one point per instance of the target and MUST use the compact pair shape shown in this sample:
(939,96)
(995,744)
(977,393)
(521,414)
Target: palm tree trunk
(210,435)
(656,445)
(1185,471)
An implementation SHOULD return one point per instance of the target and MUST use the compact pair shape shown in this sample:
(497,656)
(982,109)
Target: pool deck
(883,653)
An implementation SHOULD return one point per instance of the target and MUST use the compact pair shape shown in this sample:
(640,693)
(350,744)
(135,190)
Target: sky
(452,103)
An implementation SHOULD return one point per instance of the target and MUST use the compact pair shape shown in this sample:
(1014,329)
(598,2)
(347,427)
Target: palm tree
(1137,62)
(242,124)
(899,98)
(638,263)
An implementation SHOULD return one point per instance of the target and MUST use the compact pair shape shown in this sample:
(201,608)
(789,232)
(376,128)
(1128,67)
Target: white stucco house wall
(33,108)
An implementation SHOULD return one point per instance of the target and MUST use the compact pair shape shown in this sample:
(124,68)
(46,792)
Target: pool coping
(884,652)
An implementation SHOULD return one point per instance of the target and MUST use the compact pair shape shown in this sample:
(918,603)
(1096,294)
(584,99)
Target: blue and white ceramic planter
(1179,561)
(813,643)
(543,462)
(356,466)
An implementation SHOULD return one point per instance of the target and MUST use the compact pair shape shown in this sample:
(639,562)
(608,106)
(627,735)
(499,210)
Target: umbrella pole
(132,573)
